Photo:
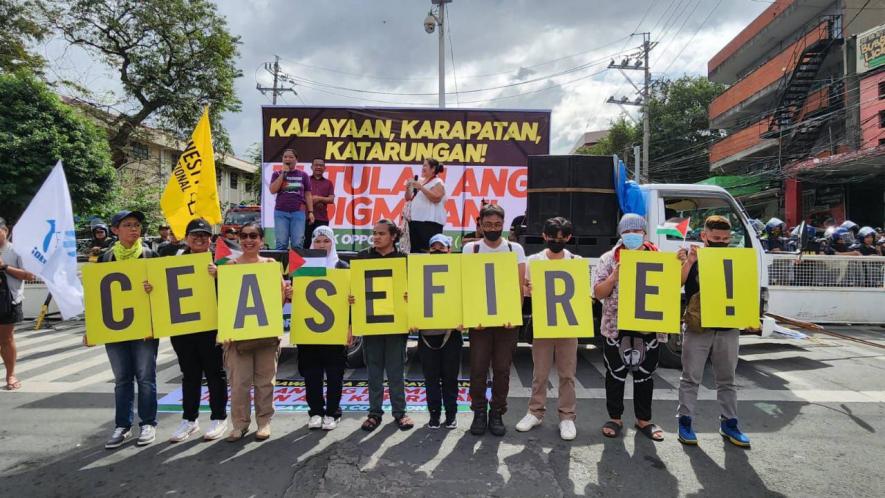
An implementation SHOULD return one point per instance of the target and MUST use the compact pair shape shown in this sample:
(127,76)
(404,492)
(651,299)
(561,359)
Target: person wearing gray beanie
(644,348)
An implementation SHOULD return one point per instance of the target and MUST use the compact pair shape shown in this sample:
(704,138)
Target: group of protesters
(252,364)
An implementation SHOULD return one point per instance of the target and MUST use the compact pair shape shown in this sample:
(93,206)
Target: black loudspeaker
(580,188)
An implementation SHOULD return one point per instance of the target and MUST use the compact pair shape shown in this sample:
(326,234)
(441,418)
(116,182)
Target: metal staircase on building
(805,133)
(796,87)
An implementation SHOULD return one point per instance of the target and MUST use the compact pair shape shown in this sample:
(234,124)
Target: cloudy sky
(517,54)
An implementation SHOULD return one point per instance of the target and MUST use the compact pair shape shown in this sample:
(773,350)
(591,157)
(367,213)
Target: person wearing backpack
(547,352)
(12,274)
(624,351)
(492,346)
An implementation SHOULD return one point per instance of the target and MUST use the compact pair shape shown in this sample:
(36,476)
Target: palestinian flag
(226,251)
(307,263)
(677,227)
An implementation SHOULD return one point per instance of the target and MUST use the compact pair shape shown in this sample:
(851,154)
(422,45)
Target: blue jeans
(131,362)
(289,226)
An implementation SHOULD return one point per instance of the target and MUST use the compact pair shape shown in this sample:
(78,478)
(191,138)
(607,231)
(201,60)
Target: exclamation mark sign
(729,285)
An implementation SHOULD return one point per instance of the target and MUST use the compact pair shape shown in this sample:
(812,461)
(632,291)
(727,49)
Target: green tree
(133,193)
(680,129)
(21,27)
(36,130)
(172,57)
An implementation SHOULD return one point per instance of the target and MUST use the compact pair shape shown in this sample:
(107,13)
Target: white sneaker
(527,423)
(184,431)
(216,430)
(120,436)
(147,435)
(567,430)
(329,423)
(315,422)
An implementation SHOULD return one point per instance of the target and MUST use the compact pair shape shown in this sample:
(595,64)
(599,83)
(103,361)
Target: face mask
(492,236)
(555,246)
(717,244)
(632,240)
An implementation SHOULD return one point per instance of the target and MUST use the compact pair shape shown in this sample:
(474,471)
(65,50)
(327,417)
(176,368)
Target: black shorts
(13,316)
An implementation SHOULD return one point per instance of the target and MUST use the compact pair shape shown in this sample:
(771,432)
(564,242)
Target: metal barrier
(826,271)
(827,289)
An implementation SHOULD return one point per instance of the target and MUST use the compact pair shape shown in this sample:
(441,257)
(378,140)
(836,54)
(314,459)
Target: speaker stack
(577,187)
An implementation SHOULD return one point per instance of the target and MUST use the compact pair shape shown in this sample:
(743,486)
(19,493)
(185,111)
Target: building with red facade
(805,109)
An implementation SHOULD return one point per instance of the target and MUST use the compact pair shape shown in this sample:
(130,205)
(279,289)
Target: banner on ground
(649,292)
(371,152)
(729,288)
(561,304)
(250,301)
(290,396)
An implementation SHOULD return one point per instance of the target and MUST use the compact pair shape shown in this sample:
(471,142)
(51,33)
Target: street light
(430,23)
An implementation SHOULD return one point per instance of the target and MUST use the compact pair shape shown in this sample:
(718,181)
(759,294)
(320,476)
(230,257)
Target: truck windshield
(241,217)
(697,209)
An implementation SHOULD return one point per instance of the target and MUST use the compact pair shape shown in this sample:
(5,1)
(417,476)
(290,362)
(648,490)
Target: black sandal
(615,428)
(404,423)
(650,430)
(371,423)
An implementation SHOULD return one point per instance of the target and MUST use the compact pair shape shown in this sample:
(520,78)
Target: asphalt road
(815,410)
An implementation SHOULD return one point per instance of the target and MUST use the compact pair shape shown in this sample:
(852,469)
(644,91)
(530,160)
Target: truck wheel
(355,353)
(671,352)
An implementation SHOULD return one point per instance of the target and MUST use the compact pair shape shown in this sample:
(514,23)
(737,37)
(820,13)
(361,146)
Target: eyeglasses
(249,235)
(134,226)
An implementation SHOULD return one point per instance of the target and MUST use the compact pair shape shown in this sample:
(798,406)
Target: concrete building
(589,139)
(798,109)
(153,153)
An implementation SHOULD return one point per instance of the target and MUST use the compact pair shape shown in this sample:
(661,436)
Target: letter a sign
(649,292)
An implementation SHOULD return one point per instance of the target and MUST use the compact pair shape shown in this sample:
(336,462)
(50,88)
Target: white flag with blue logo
(45,239)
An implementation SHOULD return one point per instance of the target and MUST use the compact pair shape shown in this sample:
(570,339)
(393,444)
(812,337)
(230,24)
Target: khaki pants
(546,352)
(258,368)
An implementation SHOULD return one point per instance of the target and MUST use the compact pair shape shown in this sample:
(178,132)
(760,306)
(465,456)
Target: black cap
(198,225)
(138,215)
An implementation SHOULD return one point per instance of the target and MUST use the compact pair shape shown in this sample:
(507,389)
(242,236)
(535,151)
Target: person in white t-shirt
(428,210)
(547,352)
(492,346)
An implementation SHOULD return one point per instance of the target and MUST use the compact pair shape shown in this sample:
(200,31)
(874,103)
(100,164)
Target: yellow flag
(192,191)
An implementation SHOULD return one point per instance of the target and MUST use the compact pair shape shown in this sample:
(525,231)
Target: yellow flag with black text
(192,191)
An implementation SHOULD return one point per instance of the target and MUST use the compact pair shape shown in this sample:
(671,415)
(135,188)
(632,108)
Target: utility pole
(274,69)
(642,100)
(442,54)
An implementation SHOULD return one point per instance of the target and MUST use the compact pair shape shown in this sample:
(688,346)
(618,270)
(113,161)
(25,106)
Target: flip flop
(652,432)
(614,426)
(14,385)
(404,423)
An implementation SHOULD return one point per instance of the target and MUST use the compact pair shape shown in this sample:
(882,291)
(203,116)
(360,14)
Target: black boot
(480,422)
(496,423)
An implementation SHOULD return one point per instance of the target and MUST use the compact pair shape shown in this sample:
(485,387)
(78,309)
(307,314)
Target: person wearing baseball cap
(699,343)
(132,361)
(198,356)
(440,353)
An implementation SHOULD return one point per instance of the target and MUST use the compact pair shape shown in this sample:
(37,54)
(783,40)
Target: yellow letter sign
(117,307)
(490,290)
(320,309)
(250,301)
(435,291)
(183,300)
(561,305)
(379,291)
(649,286)
(729,281)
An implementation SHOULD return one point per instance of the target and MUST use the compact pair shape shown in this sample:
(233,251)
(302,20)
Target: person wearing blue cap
(133,362)
(440,353)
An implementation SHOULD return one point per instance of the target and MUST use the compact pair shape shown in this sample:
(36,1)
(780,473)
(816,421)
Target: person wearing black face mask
(492,346)
(547,352)
(698,343)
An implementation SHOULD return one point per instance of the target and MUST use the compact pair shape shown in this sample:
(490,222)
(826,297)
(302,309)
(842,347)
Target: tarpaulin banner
(371,152)
(289,396)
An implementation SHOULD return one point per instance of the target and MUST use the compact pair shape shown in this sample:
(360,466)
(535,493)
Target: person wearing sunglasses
(133,362)
(253,362)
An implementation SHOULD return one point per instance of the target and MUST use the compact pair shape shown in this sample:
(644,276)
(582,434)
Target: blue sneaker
(686,434)
(731,433)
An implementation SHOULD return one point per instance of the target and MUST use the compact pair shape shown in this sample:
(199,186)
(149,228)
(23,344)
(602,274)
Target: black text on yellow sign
(435,291)
(117,307)
(490,291)
(379,290)
(649,292)
(250,301)
(183,298)
(729,279)
(320,308)
(561,305)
